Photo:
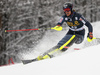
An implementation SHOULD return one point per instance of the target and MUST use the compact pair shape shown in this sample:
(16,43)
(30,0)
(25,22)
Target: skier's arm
(61,21)
(58,27)
(90,28)
(85,22)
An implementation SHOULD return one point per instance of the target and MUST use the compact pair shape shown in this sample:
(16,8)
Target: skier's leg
(49,53)
(80,36)
(67,37)
(52,49)
(80,39)
(68,40)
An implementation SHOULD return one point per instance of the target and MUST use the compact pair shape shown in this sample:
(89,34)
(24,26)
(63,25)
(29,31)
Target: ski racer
(76,23)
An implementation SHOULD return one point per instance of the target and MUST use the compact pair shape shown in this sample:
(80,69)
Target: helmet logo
(65,6)
(68,5)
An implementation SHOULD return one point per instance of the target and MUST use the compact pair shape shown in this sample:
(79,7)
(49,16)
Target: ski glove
(90,35)
(58,28)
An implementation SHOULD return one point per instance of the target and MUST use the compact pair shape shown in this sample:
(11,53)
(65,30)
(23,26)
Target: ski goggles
(67,9)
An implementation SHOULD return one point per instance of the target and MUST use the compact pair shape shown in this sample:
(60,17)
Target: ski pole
(33,29)
(97,38)
(89,40)
(21,30)
(25,30)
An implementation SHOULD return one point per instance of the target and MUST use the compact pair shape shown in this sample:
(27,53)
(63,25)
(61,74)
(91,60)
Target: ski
(29,61)
(53,51)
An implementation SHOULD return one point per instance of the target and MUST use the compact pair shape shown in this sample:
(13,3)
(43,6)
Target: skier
(76,23)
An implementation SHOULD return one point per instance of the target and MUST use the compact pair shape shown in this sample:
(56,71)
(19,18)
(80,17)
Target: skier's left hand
(90,35)
(58,28)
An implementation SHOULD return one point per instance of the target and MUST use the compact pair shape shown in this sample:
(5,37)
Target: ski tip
(28,61)
(23,61)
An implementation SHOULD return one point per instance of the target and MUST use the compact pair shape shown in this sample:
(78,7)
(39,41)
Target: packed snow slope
(81,62)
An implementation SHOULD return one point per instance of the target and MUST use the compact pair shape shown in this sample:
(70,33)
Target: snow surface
(81,62)
(73,62)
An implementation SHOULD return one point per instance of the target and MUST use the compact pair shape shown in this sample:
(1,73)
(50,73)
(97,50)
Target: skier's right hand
(90,35)
(58,28)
